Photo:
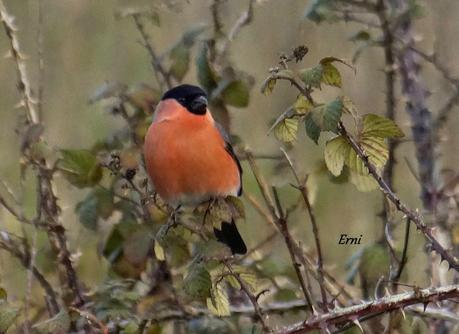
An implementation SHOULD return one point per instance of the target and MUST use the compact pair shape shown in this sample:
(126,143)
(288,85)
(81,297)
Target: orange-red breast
(189,158)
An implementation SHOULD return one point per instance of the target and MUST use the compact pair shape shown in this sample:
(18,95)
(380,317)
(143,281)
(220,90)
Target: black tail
(229,235)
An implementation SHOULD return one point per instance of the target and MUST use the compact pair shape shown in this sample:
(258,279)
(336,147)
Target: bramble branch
(336,318)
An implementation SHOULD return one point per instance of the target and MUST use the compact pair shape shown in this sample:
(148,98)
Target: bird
(189,158)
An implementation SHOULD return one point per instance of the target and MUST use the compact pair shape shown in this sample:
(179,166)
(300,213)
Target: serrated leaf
(330,60)
(327,116)
(335,153)
(286,130)
(268,86)
(218,302)
(364,183)
(302,105)
(80,168)
(159,251)
(236,94)
(60,323)
(197,282)
(378,126)
(233,282)
(8,315)
(376,149)
(312,129)
(180,61)
(312,76)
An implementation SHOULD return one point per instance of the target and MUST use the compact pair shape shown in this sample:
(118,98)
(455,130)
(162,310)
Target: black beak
(199,105)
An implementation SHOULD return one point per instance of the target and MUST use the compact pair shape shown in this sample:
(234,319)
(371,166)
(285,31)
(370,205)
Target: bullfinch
(189,158)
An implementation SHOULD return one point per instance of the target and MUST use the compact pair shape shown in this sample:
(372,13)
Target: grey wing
(230,150)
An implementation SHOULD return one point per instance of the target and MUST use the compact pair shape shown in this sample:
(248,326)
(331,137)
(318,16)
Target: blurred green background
(85,45)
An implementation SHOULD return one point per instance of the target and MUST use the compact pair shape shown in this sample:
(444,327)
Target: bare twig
(315,230)
(281,224)
(253,299)
(155,60)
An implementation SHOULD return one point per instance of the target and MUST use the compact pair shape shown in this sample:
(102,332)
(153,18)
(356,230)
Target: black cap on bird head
(193,98)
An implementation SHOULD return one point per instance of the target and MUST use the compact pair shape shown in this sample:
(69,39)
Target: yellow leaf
(331,75)
(335,153)
(286,130)
(302,105)
(159,251)
(378,126)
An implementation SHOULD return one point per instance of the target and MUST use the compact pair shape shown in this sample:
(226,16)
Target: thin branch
(352,314)
(315,230)
(281,224)
(253,299)
(23,86)
(403,259)
(155,60)
(7,244)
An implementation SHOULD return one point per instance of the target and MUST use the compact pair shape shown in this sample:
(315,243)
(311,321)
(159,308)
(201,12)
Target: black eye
(181,99)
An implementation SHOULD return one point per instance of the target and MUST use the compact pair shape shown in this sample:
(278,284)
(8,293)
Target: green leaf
(286,130)
(236,94)
(180,61)
(268,86)
(207,76)
(8,315)
(327,116)
(302,105)
(364,183)
(197,282)
(3,295)
(98,203)
(80,168)
(312,129)
(378,126)
(60,323)
(138,244)
(218,302)
(331,75)
(335,153)
(349,107)
(312,76)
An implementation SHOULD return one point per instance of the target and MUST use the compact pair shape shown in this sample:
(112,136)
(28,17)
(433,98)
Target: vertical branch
(24,86)
(281,224)
(315,230)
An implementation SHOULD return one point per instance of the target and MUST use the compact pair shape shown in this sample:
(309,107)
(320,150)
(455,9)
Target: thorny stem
(412,215)
(353,314)
(315,230)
